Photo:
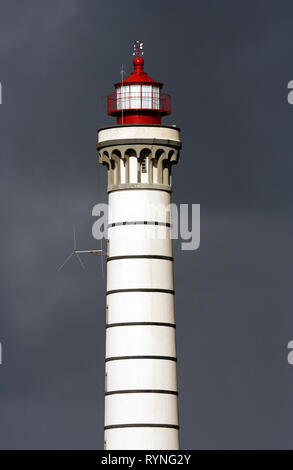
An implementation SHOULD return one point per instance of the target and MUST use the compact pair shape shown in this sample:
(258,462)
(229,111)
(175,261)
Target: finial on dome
(138,48)
(138,61)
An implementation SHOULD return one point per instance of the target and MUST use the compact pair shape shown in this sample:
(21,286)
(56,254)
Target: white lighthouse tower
(141,398)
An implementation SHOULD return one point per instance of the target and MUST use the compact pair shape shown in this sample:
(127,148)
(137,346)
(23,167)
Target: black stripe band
(140,425)
(125,187)
(116,392)
(117,291)
(114,258)
(140,222)
(121,126)
(122,358)
(141,323)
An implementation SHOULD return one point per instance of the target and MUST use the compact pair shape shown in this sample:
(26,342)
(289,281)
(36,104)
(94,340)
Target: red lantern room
(138,99)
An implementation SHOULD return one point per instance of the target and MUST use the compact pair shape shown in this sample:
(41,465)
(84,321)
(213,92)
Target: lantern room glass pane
(135,96)
(118,97)
(156,97)
(123,97)
(146,98)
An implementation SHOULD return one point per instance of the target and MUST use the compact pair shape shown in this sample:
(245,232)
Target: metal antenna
(79,252)
(74,250)
(80,262)
(72,253)
(63,264)
(74,238)
(122,73)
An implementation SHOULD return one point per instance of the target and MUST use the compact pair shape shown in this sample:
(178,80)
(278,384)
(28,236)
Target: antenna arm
(92,252)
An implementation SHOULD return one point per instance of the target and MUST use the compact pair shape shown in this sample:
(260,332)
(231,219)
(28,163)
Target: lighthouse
(141,394)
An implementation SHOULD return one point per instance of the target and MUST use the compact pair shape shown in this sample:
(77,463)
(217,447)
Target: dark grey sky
(227,64)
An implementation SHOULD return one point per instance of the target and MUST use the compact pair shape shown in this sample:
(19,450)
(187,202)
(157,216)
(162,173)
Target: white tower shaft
(141,409)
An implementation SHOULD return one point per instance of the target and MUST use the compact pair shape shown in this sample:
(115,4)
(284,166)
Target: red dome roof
(138,76)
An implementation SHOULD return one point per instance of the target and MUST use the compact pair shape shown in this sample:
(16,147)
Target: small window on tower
(143,165)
